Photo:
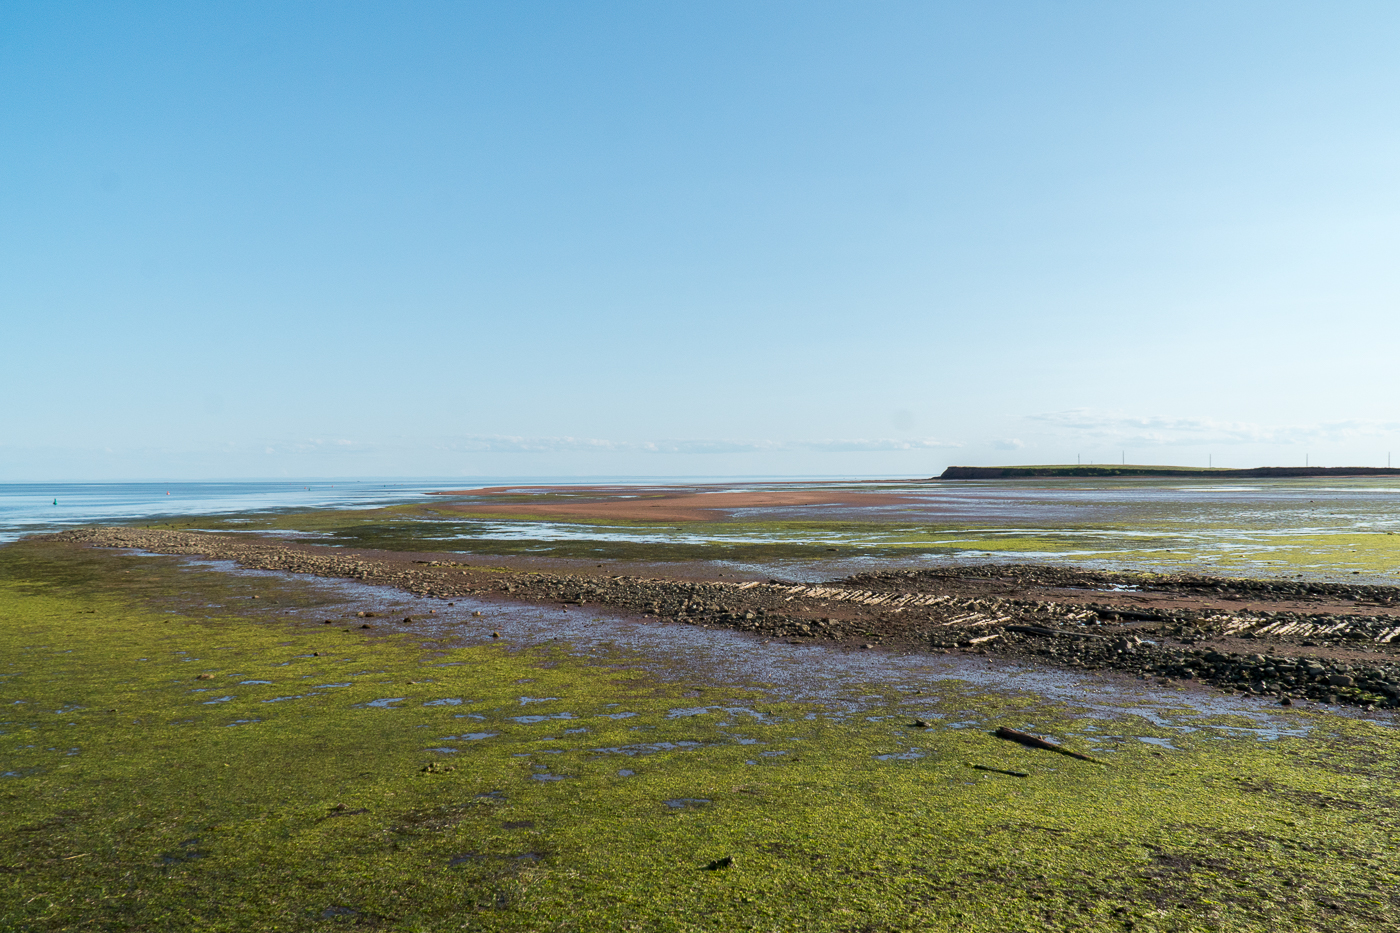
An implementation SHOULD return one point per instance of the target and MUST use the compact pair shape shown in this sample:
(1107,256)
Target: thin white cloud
(504,443)
(1140,431)
(875,444)
(517,444)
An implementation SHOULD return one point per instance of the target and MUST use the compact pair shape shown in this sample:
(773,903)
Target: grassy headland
(1130,469)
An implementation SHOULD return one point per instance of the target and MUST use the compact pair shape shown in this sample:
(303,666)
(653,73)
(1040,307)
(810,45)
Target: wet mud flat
(784,670)
(692,503)
(195,743)
(1290,640)
(1322,529)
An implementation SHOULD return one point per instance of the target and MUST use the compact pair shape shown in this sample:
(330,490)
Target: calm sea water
(27,508)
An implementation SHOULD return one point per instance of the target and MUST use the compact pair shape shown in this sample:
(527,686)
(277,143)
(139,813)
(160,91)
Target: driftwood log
(1035,741)
(1042,630)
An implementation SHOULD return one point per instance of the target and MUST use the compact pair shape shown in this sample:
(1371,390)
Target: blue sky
(341,239)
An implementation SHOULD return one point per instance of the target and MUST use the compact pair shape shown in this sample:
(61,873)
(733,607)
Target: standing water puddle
(469,737)
(385,703)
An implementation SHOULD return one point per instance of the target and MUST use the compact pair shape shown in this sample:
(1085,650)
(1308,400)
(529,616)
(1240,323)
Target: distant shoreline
(1018,472)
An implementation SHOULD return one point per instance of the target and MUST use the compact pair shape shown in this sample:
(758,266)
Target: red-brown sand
(634,504)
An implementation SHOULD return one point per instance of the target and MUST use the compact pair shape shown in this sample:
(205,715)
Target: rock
(1340,680)
(205,677)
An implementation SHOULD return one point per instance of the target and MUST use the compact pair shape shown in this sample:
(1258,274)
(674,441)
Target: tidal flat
(185,745)
(1323,528)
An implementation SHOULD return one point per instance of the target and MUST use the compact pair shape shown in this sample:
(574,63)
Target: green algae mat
(184,748)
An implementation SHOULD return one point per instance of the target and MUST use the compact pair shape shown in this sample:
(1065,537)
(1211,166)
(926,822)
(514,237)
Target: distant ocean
(29,508)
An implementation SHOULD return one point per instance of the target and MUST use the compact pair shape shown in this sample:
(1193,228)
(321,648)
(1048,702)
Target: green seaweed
(328,813)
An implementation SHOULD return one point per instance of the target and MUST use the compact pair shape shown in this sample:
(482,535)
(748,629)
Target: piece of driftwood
(1035,741)
(1001,771)
(1042,630)
(1132,615)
